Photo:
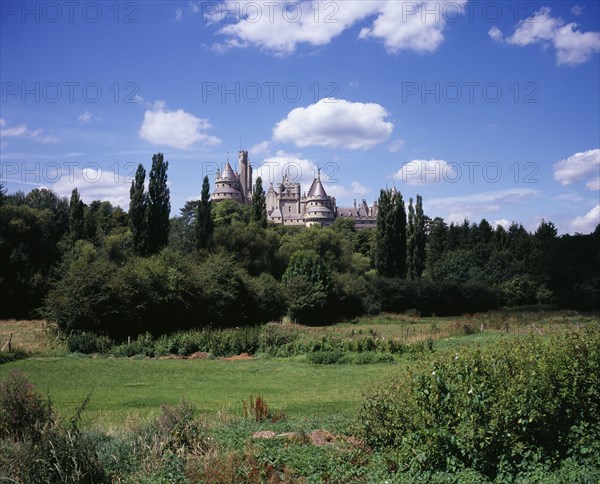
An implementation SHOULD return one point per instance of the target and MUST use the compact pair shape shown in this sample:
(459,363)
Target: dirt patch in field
(317,437)
(198,355)
(242,356)
(321,437)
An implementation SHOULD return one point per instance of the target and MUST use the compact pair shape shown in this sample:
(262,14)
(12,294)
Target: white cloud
(51,139)
(503,222)
(178,15)
(420,172)
(396,145)
(272,170)
(177,129)
(593,184)
(340,191)
(572,46)
(414,26)
(21,131)
(456,209)
(577,9)
(359,189)
(578,167)
(496,34)
(260,148)
(95,184)
(587,223)
(335,123)
(85,117)
(281,27)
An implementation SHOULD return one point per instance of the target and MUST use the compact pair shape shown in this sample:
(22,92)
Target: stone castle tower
(285,205)
(236,186)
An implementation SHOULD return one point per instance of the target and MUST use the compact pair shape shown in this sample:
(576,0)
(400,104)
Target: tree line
(94,266)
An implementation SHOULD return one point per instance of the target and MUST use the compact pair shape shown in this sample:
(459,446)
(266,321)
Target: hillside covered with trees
(95,267)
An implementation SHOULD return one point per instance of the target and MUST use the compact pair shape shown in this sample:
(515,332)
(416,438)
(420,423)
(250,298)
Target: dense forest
(96,267)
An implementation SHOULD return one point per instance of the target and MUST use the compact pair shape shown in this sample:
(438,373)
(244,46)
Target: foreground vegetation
(500,407)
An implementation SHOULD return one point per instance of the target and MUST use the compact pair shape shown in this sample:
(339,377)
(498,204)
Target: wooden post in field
(7,345)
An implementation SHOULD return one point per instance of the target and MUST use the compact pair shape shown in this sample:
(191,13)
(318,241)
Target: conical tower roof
(228,173)
(317,189)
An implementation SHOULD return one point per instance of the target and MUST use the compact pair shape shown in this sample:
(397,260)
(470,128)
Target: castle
(285,205)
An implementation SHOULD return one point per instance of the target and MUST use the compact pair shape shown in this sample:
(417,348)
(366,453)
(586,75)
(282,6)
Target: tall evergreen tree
(76,222)
(383,234)
(138,212)
(419,237)
(204,221)
(411,243)
(399,235)
(259,204)
(159,204)
(390,235)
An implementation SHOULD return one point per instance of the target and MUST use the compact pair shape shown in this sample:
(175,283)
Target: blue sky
(487,109)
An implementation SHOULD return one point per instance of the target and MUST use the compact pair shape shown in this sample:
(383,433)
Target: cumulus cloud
(572,46)
(95,184)
(176,129)
(420,172)
(21,131)
(335,123)
(587,223)
(414,26)
(281,26)
(578,167)
(299,169)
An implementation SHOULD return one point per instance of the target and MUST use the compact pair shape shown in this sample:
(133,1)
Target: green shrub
(328,357)
(88,343)
(13,355)
(521,401)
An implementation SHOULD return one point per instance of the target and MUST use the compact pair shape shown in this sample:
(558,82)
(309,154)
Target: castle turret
(319,208)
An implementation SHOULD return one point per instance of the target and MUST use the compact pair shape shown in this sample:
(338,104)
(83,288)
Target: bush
(88,343)
(42,450)
(23,414)
(13,355)
(524,400)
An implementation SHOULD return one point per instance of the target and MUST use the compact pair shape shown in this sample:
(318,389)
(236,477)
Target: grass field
(128,387)
(123,388)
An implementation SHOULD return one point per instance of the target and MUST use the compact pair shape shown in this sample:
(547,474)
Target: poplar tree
(138,217)
(411,242)
(390,235)
(420,238)
(159,204)
(204,221)
(399,235)
(259,204)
